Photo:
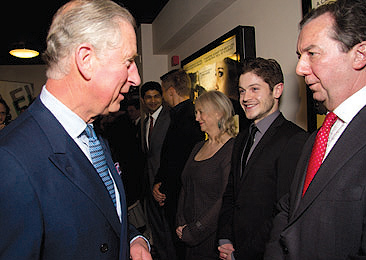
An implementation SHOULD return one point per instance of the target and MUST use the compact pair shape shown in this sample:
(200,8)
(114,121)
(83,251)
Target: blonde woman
(205,176)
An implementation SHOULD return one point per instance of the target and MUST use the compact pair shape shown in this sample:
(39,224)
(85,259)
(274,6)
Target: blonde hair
(83,21)
(222,104)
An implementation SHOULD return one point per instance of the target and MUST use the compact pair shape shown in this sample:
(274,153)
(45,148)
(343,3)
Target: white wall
(151,66)
(276,28)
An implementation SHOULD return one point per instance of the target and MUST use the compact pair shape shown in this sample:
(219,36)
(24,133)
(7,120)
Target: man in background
(154,130)
(183,133)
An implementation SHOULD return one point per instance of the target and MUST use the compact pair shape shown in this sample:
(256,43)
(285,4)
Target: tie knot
(89,131)
(329,120)
(253,129)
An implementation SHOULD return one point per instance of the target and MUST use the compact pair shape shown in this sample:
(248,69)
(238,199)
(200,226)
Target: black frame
(245,44)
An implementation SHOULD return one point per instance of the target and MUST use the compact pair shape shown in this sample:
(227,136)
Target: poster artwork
(210,70)
(317,3)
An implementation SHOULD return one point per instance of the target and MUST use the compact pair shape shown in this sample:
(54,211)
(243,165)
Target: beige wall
(35,74)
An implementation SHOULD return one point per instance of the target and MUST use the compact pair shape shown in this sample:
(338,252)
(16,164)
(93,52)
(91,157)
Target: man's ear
(171,91)
(277,90)
(84,58)
(360,56)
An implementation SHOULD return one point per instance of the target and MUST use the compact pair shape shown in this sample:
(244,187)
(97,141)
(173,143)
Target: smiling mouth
(249,106)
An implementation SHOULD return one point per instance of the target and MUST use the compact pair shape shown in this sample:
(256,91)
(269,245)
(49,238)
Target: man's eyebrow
(306,49)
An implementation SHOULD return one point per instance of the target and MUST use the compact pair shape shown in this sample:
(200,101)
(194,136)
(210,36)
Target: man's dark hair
(349,21)
(150,85)
(269,70)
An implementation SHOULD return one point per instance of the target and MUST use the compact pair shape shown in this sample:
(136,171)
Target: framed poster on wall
(211,67)
(315,110)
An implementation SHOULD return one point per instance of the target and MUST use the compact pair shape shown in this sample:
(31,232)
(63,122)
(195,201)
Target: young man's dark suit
(251,196)
(322,217)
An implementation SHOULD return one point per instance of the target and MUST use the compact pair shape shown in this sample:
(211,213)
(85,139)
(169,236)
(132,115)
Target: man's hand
(179,231)
(158,196)
(225,251)
(139,250)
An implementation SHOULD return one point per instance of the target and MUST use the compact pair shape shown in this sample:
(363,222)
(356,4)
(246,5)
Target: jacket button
(104,248)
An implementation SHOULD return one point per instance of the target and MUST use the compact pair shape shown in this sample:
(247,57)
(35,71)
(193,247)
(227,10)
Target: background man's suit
(332,214)
(157,138)
(60,208)
(158,224)
(246,213)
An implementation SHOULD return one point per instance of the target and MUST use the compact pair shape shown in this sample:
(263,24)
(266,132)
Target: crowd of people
(165,177)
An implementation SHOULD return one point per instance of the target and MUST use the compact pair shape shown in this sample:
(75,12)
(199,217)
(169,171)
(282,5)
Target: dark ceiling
(24,21)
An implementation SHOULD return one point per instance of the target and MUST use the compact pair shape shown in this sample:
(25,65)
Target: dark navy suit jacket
(53,203)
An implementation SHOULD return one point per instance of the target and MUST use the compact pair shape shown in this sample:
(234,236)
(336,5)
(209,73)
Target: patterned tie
(319,148)
(99,161)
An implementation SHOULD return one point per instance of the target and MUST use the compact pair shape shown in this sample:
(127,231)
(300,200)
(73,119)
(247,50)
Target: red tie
(319,147)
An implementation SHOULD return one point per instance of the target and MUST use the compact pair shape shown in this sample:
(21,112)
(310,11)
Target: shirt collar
(70,121)
(157,112)
(351,106)
(266,122)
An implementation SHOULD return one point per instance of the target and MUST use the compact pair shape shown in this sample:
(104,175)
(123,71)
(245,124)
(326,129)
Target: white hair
(83,21)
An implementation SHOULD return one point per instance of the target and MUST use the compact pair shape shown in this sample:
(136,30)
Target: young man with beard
(263,162)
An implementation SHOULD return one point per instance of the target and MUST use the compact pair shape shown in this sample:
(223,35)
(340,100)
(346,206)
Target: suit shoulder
(291,127)
(20,128)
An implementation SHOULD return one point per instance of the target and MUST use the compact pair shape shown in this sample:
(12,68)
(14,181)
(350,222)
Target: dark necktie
(99,161)
(319,148)
(151,126)
(252,131)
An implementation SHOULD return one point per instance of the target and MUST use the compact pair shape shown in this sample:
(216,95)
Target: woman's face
(207,117)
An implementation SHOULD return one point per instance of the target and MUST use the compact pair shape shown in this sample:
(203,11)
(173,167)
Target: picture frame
(206,65)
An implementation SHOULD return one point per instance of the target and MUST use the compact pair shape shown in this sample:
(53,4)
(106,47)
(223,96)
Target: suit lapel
(349,143)
(238,151)
(72,162)
(266,139)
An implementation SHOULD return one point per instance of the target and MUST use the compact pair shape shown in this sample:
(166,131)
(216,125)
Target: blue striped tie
(99,161)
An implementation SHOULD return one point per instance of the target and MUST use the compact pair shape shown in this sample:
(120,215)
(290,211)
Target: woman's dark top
(203,185)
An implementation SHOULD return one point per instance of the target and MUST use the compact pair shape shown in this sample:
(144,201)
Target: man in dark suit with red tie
(324,216)
(263,161)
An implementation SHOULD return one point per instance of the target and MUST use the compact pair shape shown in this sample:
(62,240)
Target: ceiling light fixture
(24,53)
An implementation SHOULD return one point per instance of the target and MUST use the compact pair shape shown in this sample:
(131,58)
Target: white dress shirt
(155,116)
(345,113)
(75,127)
